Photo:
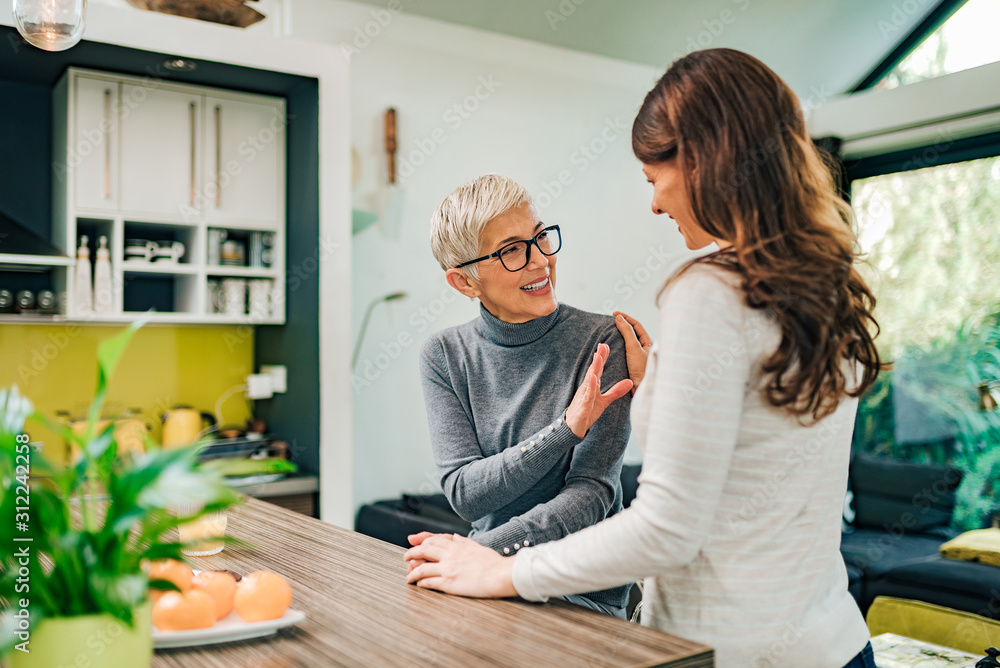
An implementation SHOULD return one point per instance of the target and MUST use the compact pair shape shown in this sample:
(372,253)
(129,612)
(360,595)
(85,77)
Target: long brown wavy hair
(755,179)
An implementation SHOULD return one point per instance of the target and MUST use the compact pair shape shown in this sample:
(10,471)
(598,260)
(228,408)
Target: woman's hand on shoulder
(637,345)
(588,403)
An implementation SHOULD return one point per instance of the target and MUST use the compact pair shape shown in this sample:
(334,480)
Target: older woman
(511,432)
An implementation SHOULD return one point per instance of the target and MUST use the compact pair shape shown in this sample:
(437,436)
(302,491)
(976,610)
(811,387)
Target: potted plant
(73,540)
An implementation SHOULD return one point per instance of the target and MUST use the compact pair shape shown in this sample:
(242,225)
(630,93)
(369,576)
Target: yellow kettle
(183,425)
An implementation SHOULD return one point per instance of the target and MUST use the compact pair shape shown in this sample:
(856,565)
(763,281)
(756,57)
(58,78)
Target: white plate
(254,479)
(227,629)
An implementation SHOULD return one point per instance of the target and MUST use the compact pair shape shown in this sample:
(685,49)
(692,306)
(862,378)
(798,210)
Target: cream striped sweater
(736,525)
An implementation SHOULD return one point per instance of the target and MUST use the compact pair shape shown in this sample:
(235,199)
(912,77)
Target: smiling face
(670,197)
(512,296)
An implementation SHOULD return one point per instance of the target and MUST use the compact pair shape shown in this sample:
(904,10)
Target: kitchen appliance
(129,433)
(184,425)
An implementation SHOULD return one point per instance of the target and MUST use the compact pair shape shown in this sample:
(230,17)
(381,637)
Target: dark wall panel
(295,414)
(26,147)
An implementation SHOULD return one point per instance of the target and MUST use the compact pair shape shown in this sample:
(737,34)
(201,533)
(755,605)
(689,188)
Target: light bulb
(52,25)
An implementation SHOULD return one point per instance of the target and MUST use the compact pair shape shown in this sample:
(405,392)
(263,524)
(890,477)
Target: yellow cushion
(934,624)
(978,545)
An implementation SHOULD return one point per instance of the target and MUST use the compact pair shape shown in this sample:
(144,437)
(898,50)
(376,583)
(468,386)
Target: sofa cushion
(854,582)
(961,585)
(874,551)
(902,496)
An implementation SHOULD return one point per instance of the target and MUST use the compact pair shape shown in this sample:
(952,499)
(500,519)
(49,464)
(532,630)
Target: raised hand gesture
(588,403)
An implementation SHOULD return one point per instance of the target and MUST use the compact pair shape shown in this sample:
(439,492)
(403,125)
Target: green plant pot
(97,641)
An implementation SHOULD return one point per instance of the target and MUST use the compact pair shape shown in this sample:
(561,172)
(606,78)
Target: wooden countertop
(360,612)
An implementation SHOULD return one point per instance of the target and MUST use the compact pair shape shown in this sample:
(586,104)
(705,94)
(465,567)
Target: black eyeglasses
(516,255)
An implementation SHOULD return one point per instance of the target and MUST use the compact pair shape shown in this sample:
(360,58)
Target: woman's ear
(457,279)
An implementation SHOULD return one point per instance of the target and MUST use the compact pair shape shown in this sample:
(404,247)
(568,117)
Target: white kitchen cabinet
(172,164)
(161,137)
(244,162)
(93,155)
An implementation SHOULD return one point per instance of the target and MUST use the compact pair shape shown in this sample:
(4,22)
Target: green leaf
(111,350)
(163,585)
(118,593)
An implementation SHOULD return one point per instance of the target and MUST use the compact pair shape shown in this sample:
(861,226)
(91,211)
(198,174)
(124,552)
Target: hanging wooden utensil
(390,142)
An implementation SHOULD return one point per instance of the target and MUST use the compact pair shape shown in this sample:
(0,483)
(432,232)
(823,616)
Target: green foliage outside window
(932,239)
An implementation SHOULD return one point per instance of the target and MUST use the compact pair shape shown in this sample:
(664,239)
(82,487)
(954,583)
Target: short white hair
(458,222)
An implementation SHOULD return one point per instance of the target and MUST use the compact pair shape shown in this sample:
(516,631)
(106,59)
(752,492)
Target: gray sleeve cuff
(506,539)
(555,437)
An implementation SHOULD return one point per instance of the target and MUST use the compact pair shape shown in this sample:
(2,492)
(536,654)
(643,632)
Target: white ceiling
(821,47)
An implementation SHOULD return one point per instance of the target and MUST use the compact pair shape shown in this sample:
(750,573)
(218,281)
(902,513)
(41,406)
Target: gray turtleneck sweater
(495,395)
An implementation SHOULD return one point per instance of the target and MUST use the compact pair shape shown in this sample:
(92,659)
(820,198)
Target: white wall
(530,123)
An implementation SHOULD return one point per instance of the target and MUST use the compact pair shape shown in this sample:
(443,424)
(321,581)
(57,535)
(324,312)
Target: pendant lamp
(52,25)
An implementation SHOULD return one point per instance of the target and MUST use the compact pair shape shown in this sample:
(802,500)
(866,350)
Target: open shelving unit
(170,170)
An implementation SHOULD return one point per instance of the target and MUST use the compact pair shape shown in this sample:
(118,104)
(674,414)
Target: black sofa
(902,513)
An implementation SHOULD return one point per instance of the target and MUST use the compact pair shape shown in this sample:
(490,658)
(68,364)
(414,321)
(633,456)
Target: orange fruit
(220,586)
(261,596)
(172,570)
(180,612)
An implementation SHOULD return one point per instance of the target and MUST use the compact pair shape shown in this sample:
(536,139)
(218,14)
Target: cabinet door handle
(193,123)
(107,144)
(218,156)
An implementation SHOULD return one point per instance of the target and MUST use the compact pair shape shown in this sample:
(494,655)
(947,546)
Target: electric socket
(279,376)
(259,386)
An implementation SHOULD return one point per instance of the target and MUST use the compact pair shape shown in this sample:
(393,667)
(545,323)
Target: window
(965,40)
(932,239)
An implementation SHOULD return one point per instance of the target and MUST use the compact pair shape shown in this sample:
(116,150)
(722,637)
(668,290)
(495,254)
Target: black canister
(6,301)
